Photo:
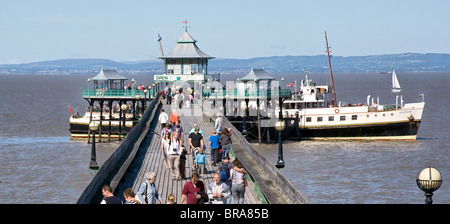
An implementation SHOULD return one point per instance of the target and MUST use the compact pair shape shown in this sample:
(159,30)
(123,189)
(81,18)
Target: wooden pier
(153,161)
(266,184)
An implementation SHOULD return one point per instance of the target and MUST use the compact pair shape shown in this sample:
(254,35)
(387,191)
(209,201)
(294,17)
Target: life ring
(336,111)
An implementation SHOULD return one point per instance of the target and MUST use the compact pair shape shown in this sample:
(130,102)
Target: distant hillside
(408,62)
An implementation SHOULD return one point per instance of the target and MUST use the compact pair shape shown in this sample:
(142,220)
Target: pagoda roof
(104,75)
(258,74)
(186,48)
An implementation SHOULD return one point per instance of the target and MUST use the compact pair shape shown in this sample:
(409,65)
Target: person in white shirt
(218,192)
(173,155)
(218,124)
(163,118)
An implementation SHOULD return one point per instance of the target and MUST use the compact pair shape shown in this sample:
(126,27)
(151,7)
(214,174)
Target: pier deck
(153,161)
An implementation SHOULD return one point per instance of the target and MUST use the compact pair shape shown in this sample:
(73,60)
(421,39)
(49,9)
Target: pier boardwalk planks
(266,184)
(149,158)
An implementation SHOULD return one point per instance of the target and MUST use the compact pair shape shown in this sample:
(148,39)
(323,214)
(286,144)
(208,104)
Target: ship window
(342,118)
(319,119)
(308,119)
(331,118)
(354,117)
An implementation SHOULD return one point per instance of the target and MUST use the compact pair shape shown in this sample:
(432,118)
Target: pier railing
(262,169)
(115,93)
(109,172)
(240,93)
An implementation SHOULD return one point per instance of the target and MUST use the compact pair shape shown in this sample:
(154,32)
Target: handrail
(114,93)
(246,93)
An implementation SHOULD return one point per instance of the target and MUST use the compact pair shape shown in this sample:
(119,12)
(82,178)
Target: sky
(32,31)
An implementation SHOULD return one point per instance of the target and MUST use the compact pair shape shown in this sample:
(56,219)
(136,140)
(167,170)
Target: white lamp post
(280,126)
(429,180)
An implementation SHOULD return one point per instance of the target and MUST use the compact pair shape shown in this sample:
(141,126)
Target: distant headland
(406,62)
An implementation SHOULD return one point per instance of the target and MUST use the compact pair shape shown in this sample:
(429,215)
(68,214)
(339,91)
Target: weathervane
(186,26)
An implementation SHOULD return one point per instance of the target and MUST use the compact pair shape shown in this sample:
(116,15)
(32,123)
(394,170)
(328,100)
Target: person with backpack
(224,170)
(147,191)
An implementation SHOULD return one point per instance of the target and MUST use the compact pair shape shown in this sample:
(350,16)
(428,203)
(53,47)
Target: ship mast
(331,71)
(162,52)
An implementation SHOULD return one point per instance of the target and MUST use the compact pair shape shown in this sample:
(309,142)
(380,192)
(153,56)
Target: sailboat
(395,84)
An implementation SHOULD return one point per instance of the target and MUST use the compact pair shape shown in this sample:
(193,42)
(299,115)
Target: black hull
(385,131)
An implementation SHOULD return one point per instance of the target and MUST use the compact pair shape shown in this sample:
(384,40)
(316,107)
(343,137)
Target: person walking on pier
(173,155)
(226,141)
(174,117)
(163,118)
(218,192)
(200,162)
(165,144)
(129,196)
(109,197)
(193,129)
(195,140)
(238,183)
(169,96)
(148,189)
(178,128)
(191,190)
(214,144)
(218,123)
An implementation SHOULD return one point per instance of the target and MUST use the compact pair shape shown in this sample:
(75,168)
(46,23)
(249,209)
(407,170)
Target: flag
(159,37)
(185,21)
(70,108)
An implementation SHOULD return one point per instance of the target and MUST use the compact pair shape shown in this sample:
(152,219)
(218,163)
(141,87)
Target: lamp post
(244,125)
(153,91)
(93,165)
(429,180)
(138,97)
(280,126)
(145,98)
(215,101)
(124,108)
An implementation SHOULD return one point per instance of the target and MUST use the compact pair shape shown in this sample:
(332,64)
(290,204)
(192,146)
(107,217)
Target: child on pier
(200,162)
(214,144)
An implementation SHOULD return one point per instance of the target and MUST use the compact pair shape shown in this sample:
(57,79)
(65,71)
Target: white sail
(395,84)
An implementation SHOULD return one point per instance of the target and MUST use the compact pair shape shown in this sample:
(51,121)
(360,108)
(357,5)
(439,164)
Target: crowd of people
(230,178)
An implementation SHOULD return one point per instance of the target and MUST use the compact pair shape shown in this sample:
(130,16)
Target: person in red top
(191,190)
(174,117)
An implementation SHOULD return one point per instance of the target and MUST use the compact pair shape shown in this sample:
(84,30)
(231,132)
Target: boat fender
(336,111)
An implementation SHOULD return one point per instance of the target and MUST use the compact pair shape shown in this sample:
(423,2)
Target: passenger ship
(320,119)
(324,120)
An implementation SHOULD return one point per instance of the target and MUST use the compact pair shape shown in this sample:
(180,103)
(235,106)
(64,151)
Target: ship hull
(79,129)
(383,131)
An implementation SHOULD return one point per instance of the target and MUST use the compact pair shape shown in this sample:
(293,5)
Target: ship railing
(114,93)
(237,93)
